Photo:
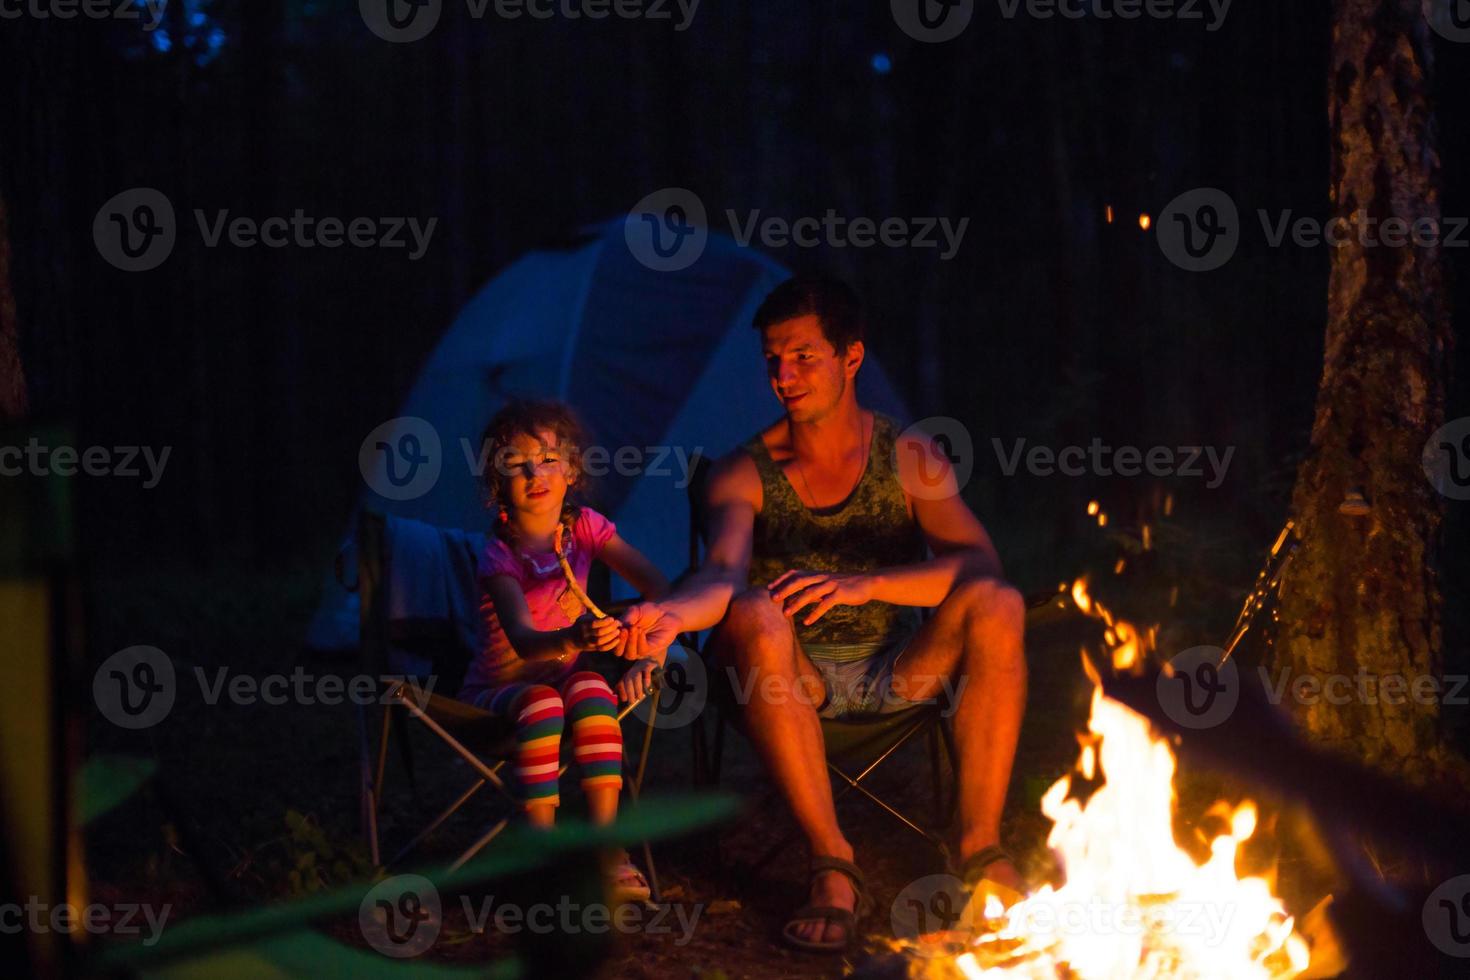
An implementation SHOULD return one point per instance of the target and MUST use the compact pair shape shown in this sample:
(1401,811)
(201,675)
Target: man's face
(807,373)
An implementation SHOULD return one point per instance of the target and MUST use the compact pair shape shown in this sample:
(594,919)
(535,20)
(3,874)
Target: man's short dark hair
(832,301)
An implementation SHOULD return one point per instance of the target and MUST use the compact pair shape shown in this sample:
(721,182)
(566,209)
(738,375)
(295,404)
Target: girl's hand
(637,682)
(591,633)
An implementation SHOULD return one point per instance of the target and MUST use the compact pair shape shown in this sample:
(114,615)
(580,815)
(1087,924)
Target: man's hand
(591,633)
(796,589)
(648,629)
(638,680)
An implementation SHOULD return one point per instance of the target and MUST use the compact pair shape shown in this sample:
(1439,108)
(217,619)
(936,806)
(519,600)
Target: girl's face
(537,474)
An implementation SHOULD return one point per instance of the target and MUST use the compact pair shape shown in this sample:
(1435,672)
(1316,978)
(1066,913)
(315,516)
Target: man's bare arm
(700,601)
(962,548)
(732,497)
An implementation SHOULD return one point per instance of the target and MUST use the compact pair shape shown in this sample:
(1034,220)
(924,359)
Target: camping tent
(660,364)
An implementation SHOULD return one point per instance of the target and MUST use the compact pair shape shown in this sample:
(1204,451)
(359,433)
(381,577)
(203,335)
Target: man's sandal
(979,889)
(829,915)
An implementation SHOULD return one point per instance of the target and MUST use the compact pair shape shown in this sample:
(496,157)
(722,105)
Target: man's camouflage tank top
(869,530)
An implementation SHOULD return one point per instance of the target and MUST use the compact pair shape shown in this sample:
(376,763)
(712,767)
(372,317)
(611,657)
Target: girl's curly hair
(532,417)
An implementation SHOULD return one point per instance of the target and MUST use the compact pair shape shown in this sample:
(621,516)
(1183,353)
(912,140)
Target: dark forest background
(262,370)
(265,368)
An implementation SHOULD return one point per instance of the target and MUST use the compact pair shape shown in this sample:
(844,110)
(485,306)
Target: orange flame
(1133,904)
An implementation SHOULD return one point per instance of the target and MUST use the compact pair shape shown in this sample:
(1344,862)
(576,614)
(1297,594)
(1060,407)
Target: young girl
(534,667)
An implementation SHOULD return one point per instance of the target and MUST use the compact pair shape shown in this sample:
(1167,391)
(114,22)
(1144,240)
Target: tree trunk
(12,377)
(1362,600)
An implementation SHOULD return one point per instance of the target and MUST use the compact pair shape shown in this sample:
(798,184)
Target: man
(815,514)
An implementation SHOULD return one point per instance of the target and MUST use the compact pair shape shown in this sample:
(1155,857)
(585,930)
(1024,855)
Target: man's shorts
(858,677)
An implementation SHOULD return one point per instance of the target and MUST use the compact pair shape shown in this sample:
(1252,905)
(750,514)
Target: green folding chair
(857,746)
(485,742)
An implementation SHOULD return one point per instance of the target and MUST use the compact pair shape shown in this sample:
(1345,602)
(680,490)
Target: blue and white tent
(662,362)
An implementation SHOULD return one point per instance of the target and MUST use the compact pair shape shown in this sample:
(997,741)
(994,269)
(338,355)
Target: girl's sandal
(829,915)
(627,883)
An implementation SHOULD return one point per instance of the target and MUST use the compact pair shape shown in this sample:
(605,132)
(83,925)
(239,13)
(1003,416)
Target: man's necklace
(862,435)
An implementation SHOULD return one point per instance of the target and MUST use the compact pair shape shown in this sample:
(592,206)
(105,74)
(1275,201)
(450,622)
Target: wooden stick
(566,569)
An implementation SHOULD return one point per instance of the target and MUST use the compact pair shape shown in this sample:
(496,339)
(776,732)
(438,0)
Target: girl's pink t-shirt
(551,602)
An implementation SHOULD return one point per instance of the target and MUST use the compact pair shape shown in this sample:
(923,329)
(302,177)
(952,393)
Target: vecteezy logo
(922,451)
(1450,19)
(934,903)
(401,21)
(1199,688)
(667,230)
(932,21)
(1446,916)
(401,916)
(135,230)
(401,459)
(1446,459)
(1200,229)
(683,693)
(134,688)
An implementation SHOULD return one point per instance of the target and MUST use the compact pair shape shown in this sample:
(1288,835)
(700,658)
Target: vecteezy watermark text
(836,231)
(1211,12)
(1201,229)
(1200,688)
(406,21)
(87,9)
(136,230)
(939,903)
(1099,459)
(34,459)
(121,919)
(667,230)
(567,917)
(136,687)
(403,458)
(402,917)
(937,21)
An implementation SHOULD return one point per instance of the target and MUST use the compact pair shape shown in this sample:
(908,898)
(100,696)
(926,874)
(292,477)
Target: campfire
(1132,903)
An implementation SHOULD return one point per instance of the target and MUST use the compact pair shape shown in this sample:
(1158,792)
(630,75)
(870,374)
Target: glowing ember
(1133,905)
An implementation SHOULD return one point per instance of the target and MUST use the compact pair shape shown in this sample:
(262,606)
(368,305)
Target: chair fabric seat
(862,737)
(481,731)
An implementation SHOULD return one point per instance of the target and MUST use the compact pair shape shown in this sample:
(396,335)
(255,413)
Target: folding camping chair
(856,745)
(484,741)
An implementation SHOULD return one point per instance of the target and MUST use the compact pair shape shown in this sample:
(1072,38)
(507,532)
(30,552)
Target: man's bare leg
(780,717)
(975,638)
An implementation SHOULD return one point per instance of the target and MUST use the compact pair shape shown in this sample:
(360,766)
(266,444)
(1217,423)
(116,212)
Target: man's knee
(989,602)
(754,623)
(995,621)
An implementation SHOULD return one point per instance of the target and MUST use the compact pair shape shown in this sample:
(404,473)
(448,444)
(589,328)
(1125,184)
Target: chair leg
(936,780)
(854,783)
(479,766)
(479,845)
(647,744)
(718,759)
(369,789)
(434,825)
(698,753)
(947,735)
(897,815)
